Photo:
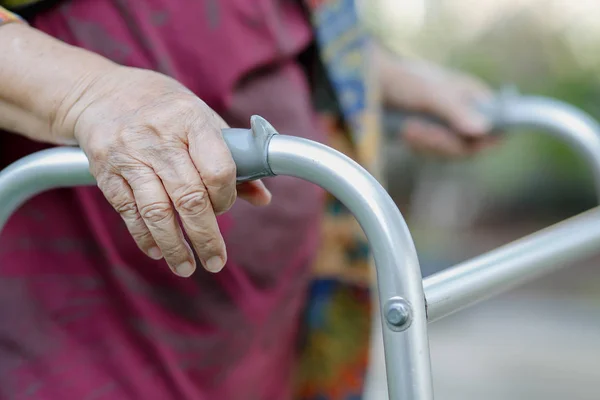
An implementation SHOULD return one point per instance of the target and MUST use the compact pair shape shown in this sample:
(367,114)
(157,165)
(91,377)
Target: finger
(191,200)
(475,89)
(155,208)
(255,193)
(484,144)
(120,196)
(462,115)
(213,161)
(433,139)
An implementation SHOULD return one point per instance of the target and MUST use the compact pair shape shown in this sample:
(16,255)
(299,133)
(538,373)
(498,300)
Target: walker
(407,302)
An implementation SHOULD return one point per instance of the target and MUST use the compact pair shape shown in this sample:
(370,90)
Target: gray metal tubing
(63,167)
(504,268)
(41,171)
(398,273)
(560,119)
(511,110)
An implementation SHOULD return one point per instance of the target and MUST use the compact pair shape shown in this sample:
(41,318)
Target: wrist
(392,76)
(81,94)
(44,77)
(404,82)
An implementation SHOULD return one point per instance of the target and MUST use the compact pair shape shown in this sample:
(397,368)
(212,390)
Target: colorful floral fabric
(335,349)
(7,16)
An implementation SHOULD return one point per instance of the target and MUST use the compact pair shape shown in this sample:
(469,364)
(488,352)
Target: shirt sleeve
(7,16)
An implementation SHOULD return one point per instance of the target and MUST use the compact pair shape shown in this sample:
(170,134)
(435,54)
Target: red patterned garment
(84,314)
(96,318)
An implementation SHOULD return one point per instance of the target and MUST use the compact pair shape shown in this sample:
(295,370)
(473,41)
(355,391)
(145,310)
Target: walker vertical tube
(399,278)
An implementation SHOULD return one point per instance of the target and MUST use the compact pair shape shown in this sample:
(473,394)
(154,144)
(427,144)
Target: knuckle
(222,176)
(186,104)
(101,147)
(193,202)
(141,235)
(156,213)
(175,253)
(226,204)
(117,197)
(142,238)
(97,154)
(213,245)
(210,244)
(127,208)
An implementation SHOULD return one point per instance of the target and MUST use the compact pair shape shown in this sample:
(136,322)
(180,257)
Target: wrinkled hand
(157,153)
(448,95)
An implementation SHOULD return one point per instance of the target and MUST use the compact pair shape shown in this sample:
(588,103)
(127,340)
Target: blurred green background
(541,341)
(545,47)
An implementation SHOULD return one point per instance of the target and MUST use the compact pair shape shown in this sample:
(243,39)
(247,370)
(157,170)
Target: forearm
(401,80)
(15,119)
(41,78)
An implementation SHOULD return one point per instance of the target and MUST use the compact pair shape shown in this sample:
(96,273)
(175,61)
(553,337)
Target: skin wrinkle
(169,255)
(80,87)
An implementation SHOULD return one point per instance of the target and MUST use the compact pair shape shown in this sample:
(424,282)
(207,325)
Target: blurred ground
(518,348)
(541,341)
(538,342)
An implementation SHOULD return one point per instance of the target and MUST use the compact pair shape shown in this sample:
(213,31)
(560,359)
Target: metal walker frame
(407,302)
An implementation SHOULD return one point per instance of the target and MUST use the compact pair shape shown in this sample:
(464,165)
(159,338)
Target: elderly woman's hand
(155,149)
(157,153)
(450,96)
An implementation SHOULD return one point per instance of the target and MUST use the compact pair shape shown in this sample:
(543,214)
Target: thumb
(255,193)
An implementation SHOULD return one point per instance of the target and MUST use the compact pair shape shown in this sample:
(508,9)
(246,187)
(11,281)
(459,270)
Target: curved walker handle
(260,152)
(510,110)
(68,166)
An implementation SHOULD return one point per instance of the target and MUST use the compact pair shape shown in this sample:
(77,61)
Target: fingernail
(185,269)
(155,253)
(214,264)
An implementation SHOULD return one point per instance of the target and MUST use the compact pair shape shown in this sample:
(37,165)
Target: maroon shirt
(83,313)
